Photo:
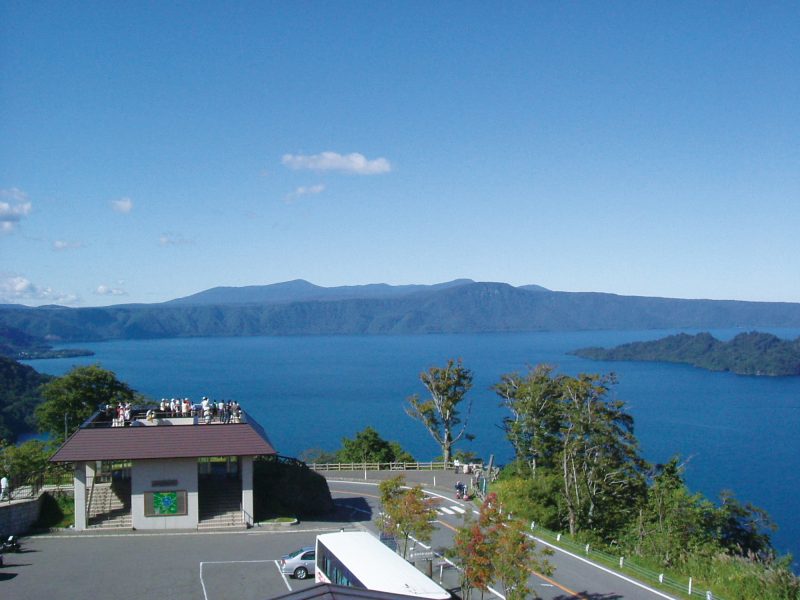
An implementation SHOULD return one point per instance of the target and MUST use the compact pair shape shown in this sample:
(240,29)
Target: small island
(753,353)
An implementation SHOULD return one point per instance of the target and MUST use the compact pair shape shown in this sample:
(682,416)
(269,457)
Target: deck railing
(383,466)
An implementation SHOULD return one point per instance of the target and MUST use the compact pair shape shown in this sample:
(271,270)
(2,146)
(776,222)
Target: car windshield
(297,552)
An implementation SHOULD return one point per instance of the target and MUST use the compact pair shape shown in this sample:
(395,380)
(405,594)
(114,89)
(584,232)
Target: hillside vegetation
(751,353)
(17,344)
(19,396)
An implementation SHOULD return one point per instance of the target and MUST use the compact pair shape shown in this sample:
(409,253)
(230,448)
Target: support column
(80,495)
(247,490)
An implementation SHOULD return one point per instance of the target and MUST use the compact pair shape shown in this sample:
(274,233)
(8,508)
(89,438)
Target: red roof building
(153,471)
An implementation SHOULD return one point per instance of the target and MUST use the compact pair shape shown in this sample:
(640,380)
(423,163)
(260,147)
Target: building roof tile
(165,441)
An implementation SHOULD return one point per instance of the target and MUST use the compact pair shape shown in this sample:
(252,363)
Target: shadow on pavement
(589,596)
(349,510)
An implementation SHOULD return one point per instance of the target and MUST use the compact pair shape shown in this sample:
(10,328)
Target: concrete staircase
(220,503)
(110,506)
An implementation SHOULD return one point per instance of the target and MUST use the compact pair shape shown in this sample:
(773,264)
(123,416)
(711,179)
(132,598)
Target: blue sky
(152,150)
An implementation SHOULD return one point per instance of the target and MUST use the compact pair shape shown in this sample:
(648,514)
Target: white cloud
(333,161)
(15,289)
(107,290)
(303,190)
(60,245)
(123,205)
(12,212)
(172,239)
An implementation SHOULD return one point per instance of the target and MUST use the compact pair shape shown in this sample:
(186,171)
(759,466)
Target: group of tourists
(207,411)
(122,412)
(175,407)
(221,411)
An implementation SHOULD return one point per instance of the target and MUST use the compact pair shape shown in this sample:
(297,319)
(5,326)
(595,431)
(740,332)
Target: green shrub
(56,511)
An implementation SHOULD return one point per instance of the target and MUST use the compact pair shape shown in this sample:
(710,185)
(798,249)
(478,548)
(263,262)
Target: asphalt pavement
(242,564)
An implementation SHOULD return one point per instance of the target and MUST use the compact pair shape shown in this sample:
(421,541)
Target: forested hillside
(751,353)
(19,395)
(458,307)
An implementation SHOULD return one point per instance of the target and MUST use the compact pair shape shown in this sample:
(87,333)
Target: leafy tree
(76,396)
(567,430)
(369,446)
(531,499)
(390,488)
(496,548)
(440,415)
(474,553)
(674,524)
(535,405)
(407,512)
(600,464)
(22,461)
(743,529)
(318,455)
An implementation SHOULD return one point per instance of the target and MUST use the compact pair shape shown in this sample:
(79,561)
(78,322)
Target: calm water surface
(739,433)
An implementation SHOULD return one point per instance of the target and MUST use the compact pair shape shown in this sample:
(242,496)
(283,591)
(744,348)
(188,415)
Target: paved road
(574,577)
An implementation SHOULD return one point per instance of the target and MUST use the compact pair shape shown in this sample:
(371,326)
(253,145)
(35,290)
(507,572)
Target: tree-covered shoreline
(18,345)
(752,353)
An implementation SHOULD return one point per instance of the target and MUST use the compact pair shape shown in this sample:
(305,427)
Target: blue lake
(738,433)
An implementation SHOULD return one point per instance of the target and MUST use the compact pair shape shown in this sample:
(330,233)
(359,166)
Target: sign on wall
(165,504)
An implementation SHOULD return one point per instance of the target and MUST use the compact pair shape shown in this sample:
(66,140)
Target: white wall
(145,472)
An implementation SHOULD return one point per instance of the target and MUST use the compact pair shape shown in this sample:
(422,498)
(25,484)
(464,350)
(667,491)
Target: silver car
(300,563)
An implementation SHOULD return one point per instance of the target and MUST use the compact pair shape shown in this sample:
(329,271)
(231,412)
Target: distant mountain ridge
(461,306)
(300,290)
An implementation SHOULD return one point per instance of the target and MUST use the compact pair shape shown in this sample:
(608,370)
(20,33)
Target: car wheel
(301,573)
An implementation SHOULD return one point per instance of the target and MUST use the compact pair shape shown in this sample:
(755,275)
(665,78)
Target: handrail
(89,501)
(247,522)
(383,466)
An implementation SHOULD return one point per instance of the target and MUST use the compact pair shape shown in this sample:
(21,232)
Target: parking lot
(176,565)
(210,566)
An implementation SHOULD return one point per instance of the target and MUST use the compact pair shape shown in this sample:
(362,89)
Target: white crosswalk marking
(458,509)
(446,510)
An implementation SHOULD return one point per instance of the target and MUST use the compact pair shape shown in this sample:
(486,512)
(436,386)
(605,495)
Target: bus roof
(378,567)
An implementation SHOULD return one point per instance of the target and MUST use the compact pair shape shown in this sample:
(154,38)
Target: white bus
(357,559)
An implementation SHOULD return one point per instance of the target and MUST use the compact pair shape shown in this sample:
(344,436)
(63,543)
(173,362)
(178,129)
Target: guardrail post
(621,561)
(690,586)
(587,549)
(533,525)
(558,537)
(660,578)
(709,596)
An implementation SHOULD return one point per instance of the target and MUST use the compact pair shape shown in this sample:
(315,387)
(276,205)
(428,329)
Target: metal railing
(382,466)
(686,586)
(29,487)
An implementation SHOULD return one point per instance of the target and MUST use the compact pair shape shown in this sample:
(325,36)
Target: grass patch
(279,520)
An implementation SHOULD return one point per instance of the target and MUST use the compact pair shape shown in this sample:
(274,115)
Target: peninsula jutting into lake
(752,353)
